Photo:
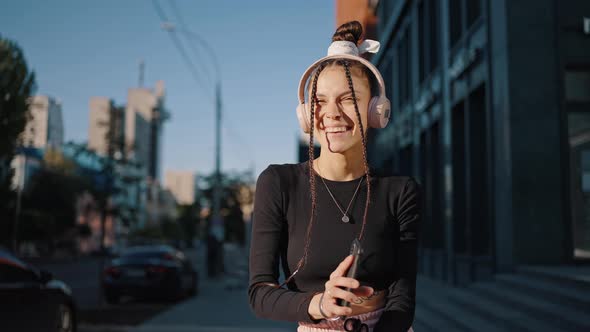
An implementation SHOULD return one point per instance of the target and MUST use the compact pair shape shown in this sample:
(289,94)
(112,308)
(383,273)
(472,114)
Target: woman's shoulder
(400,185)
(284,172)
(392,177)
(284,169)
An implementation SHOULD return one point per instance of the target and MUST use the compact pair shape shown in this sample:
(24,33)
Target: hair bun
(349,31)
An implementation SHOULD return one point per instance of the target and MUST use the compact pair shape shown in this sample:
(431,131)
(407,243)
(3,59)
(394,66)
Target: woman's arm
(266,299)
(401,300)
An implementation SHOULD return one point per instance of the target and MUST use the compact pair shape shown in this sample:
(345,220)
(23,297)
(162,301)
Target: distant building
(168,206)
(106,128)
(126,205)
(161,204)
(358,10)
(144,117)
(131,136)
(182,185)
(44,130)
(45,127)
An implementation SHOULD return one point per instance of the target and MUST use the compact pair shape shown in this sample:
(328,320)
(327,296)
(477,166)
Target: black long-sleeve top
(281,215)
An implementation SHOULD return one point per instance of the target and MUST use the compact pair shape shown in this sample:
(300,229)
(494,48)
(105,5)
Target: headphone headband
(363,61)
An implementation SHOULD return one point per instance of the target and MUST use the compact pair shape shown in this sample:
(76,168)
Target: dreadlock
(311,153)
(364,141)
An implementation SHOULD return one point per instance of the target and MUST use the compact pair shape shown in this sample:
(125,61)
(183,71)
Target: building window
(433,34)
(577,85)
(473,11)
(384,12)
(387,72)
(427,37)
(388,7)
(422,22)
(460,226)
(403,68)
(462,15)
(455,21)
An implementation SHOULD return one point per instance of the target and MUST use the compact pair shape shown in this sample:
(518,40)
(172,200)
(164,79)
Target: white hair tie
(347,47)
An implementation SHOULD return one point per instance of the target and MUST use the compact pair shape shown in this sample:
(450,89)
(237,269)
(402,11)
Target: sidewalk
(215,309)
(221,305)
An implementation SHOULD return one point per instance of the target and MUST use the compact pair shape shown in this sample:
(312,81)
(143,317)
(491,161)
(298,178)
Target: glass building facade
(491,113)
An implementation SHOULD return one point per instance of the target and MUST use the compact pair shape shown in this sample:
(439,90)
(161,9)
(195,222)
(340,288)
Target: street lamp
(216,226)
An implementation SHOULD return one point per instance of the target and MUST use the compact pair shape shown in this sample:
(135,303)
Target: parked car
(157,271)
(32,300)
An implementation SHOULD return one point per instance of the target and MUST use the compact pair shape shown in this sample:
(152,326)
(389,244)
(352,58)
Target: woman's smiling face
(336,121)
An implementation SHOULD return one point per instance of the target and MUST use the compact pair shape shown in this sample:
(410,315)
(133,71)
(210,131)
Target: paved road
(82,275)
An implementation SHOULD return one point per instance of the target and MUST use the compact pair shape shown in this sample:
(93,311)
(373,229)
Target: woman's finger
(339,293)
(344,282)
(342,267)
(332,309)
(363,291)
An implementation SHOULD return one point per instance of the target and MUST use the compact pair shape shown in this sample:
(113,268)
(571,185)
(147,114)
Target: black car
(149,272)
(32,300)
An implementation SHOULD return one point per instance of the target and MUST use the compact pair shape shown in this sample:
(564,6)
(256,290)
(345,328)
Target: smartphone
(355,251)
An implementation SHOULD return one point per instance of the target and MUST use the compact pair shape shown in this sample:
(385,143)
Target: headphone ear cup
(379,112)
(303,117)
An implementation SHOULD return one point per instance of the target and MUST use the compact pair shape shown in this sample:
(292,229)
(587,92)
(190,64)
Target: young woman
(307,215)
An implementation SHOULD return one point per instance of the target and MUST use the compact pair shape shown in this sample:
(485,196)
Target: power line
(229,128)
(178,15)
(246,153)
(227,125)
(193,69)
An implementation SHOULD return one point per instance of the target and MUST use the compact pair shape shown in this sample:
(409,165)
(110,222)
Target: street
(82,275)
(221,304)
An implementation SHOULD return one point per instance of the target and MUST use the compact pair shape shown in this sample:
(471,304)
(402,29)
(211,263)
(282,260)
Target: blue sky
(80,49)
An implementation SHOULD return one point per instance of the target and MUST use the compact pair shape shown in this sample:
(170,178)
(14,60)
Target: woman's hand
(335,289)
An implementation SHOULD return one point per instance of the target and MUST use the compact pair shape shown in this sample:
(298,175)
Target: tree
(49,203)
(188,218)
(232,198)
(17,84)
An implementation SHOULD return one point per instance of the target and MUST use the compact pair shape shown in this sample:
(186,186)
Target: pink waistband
(369,318)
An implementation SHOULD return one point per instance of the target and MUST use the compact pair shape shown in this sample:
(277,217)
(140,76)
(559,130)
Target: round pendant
(345,219)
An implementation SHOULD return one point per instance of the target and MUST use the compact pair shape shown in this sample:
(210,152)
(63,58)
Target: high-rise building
(106,129)
(144,118)
(45,127)
(182,185)
(490,105)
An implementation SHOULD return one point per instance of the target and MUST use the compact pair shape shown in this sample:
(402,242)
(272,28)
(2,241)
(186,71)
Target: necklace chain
(345,217)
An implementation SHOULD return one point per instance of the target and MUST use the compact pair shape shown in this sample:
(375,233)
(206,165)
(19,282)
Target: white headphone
(379,106)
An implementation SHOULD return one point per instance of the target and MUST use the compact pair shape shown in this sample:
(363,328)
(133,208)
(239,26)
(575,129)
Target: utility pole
(216,226)
(218,229)
(141,72)
(113,145)
(21,184)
